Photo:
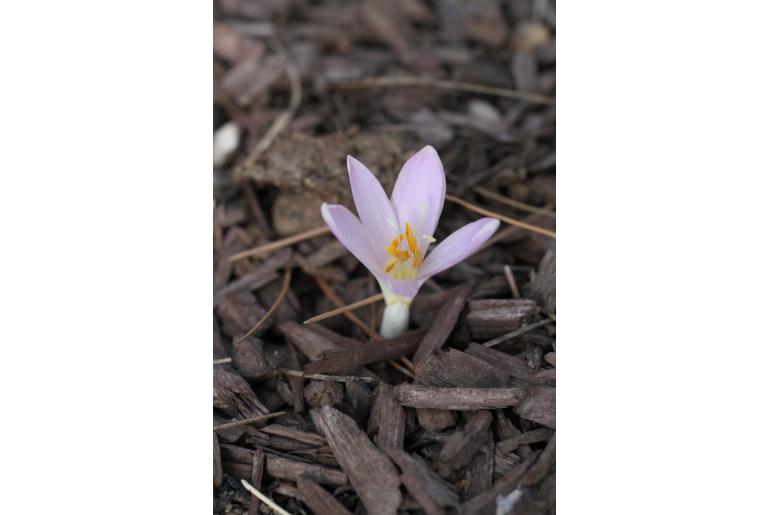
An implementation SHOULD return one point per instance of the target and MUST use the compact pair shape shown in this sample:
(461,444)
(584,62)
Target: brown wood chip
(459,398)
(435,419)
(239,459)
(360,399)
(459,449)
(261,276)
(504,427)
(228,434)
(488,318)
(309,343)
(373,476)
(485,503)
(456,368)
(543,287)
(516,368)
(340,341)
(429,490)
(239,312)
(293,470)
(539,405)
(442,325)
(322,393)
(318,499)
(251,77)
(346,359)
(541,434)
(234,396)
(544,463)
(390,416)
(217,463)
(294,434)
(249,359)
(482,469)
(257,470)
(297,384)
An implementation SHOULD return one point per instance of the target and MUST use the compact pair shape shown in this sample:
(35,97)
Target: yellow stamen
(416,252)
(411,239)
(399,266)
(396,253)
(417,260)
(390,265)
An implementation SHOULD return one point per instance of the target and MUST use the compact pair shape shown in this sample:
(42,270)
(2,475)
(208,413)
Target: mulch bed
(458,414)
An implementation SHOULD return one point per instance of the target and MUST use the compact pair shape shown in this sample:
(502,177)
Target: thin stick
(275,245)
(514,203)
(247,421)
(282,120)
(222,361)
(403,370)
(427,82)
(502,218)
(326,377)
(329,293)
(511,281)
(281,295)
(265,499)
(344,309)
(518,332)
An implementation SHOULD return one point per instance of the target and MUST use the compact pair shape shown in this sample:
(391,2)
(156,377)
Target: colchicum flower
(393,235)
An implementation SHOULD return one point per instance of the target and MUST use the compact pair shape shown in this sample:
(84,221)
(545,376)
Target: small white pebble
(484,111)
(226,140)
(505,504)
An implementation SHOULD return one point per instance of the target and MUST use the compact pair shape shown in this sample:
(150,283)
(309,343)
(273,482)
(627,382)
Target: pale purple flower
(393,236)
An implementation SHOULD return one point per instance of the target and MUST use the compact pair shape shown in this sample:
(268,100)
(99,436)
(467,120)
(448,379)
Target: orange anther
(390,265)
(411,239)
(414,252)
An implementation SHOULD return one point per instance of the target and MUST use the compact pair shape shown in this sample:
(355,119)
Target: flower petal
(351,234)
(376,213)
(458,246)
(418,196)
(399,287)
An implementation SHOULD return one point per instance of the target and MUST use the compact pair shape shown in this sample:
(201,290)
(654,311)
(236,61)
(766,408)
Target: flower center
(404,263)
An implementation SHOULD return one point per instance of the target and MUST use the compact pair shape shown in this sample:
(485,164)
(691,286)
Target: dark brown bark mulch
(459,414)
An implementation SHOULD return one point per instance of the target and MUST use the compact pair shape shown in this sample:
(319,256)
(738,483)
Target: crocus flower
(393,236)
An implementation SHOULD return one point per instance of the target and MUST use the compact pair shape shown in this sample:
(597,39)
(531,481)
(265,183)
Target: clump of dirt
(310,170)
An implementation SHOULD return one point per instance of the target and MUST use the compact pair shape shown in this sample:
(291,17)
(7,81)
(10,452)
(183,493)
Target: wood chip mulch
(458,415)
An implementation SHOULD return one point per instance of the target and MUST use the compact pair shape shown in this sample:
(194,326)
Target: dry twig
(449,85)
(247,421)
(514,203)
(345,309)
(518,332)
(275,245)
(265,499)
(281,295)
(329,293)
(403,370)
(511,281)
(326,377)
(502,218)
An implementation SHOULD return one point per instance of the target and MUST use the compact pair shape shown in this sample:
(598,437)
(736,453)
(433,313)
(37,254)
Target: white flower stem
(395,320)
